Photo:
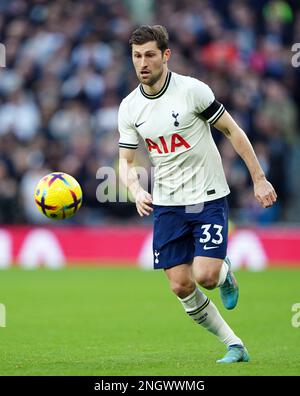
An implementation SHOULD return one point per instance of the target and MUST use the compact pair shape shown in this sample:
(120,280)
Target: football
(58,196)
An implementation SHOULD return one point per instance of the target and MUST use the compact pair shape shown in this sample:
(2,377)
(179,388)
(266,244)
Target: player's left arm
(263,189)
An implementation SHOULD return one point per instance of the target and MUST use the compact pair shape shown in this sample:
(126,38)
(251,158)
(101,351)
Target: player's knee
(208,281)
(182,289)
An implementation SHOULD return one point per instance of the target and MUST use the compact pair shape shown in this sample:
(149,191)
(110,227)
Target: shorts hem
(210,256)
(170,265)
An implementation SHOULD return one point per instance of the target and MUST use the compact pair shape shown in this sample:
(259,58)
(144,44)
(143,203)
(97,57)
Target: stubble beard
(153,79)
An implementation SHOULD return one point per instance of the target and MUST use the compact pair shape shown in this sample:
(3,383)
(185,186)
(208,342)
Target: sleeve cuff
(213,112)
(128,145)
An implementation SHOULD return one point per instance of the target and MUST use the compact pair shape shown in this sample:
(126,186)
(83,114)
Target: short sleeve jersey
(175,126)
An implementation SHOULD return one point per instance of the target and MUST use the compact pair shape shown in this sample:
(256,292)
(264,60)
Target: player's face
(149,62)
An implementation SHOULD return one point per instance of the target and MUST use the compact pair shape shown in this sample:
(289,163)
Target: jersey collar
(161,92)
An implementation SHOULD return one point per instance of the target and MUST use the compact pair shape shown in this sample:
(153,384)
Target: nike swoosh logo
(209,247)
(138,125)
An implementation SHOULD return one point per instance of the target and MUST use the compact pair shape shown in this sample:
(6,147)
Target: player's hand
(143,200)
(264,192)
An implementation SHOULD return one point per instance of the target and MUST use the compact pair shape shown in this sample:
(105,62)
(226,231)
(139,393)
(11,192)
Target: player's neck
(155,88)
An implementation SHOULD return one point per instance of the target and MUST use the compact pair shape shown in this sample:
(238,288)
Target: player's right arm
(128,143)
(129,178)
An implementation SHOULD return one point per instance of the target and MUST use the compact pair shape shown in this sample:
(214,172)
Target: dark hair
(147,33)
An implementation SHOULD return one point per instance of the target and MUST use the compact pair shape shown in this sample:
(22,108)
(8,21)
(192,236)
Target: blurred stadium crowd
(68,66)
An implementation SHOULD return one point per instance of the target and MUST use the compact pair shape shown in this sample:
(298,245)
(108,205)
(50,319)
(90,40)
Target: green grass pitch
(126,321)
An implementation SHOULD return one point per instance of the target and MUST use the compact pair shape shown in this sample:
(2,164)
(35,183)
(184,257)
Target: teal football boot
(235,354)
(229,291)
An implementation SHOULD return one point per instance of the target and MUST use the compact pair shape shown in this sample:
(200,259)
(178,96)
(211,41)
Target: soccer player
(172,113)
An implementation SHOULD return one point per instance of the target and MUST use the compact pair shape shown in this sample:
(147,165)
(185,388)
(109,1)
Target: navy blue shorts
(183,232)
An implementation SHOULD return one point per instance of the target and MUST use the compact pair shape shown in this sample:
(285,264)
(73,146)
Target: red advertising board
(55,247)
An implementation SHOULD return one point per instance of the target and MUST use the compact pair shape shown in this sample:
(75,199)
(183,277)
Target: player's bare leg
(212,272)
(203,311)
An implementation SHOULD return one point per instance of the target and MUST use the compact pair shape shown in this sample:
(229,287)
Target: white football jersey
(175,126)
